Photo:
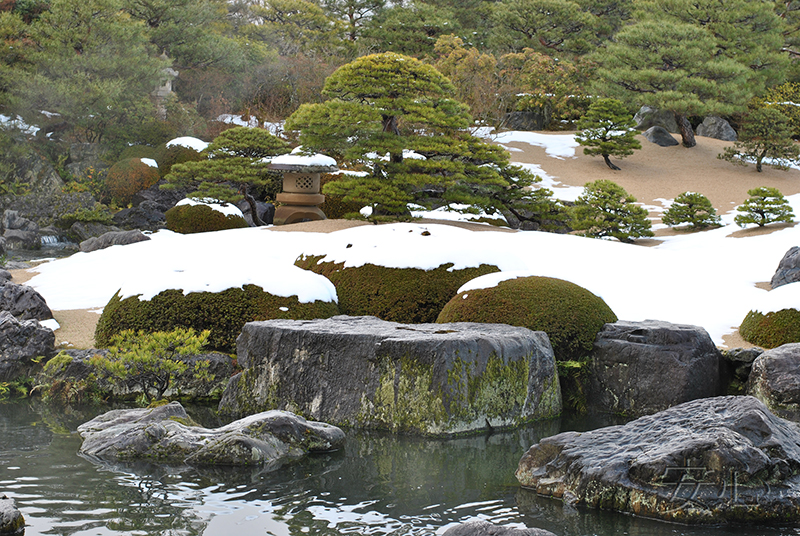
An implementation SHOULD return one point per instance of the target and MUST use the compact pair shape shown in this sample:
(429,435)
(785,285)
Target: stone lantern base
(298,207)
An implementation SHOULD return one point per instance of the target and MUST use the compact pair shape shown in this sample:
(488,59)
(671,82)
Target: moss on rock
(407,295)
(223,313)
(569,314)
(771,330)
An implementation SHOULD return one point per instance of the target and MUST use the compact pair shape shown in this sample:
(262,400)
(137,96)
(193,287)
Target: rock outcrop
(644,367)
(484,528)
(660,136)
(648,117)
(429,379)
(11,520)
(159,435)
(716,127)
(538,119)
(19,232)
(716,460)
(775,380)
(147,216)
(113,238)
(20,343)
(86,230)
(788,269)
(23,302)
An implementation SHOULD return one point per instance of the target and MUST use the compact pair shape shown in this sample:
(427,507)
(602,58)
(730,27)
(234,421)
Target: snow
(703,278)
(297,158)
(150,162)
(559,146)
(187,141)
(225,208)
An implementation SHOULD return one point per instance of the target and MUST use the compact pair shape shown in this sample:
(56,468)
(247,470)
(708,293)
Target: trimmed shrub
(771,330)
(188,219)
(569,314)
(127,178)
(176,154)
(764,206)
(692,208)
(407,295)
(222,313)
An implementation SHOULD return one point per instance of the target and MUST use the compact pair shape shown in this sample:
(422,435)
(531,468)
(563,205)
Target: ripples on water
(377,484)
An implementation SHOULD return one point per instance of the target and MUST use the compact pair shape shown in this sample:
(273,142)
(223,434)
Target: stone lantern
(301,196)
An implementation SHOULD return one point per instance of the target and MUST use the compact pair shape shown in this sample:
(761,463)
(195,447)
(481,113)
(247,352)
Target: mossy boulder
(407,295)
(224,313)
(569,314)
(199,218)
(770,330)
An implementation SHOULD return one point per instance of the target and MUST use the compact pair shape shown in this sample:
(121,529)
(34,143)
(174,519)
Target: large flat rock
(429,379)
(715,460)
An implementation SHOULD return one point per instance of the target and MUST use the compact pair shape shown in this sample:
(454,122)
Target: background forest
(88,71)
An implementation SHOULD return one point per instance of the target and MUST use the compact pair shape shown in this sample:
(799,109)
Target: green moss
(223,313)
(407,295)
(569,314)
(57,364)
(772,329)
(188,219)
(573,376)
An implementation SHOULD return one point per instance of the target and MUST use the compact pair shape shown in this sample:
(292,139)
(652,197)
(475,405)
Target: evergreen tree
(608,129)
(765,205)
(765,134)
(355,13)
(395,117)
(552,25)
(692,208)
(410,29)
(606,209)
(235,163)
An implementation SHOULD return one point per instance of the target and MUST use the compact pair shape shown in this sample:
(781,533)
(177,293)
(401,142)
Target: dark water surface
(378,484)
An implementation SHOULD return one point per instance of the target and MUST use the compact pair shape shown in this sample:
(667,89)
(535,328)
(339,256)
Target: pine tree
(606,209)
(396,118)
(692,208)
(765,205)
(608,129)
(765,134)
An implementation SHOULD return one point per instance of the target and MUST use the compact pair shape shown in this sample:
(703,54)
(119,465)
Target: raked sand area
(654,175)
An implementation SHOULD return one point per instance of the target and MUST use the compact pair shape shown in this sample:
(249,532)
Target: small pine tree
(765,133)
(766,205)
(606,209)
(692,208)
(608,129)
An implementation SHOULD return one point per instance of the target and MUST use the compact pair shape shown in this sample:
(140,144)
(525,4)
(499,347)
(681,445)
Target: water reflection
(377,484)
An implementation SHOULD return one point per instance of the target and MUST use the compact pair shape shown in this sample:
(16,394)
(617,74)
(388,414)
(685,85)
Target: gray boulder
(741,361)
(18,239)
(23,302)
(429,379)
(484,528)
(644,367)
(775,380)
(12,220)
(266,212)
(660,137)
(715,460)
(788,269)
(20,343)
(113,238)
(86,230)
(11,520)
(5,276)
(146,216)
(716,127)
(162,200)
(528,120)
(648,117)
(159,435)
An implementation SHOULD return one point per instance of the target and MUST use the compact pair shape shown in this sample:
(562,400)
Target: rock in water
(11,520)
(428,379)
(484,528)
(158,435)
(775,380)
(644,367)
(715,460)
(20,342)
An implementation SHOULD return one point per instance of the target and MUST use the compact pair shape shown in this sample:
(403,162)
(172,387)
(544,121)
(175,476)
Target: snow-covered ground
(706,278)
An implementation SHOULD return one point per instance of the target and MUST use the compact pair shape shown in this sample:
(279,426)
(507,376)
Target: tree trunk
(252,202)
(390,125)
(687,134)
(759,159)
(609,163)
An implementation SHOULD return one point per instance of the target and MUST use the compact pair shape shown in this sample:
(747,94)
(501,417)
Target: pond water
(378,484)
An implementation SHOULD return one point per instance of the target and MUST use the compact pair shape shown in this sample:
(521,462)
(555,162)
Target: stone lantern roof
(297,162)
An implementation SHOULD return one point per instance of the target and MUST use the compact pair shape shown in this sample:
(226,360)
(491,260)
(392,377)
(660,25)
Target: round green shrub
(772,329)
(223,313)
(407,295)
(188,219)
(569,314)
(128,177)
(176,154)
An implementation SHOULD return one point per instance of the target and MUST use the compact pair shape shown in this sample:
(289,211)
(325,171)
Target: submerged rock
(484,528)
(160,435)
(429,379)
(11,520)
(715,460)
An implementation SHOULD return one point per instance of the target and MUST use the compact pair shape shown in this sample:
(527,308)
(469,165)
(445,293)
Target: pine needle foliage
(605,209)
(765,205)
(765,138)
(692,208)
(608,129)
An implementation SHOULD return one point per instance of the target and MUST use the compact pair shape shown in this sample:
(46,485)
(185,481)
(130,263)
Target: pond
(378,484)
